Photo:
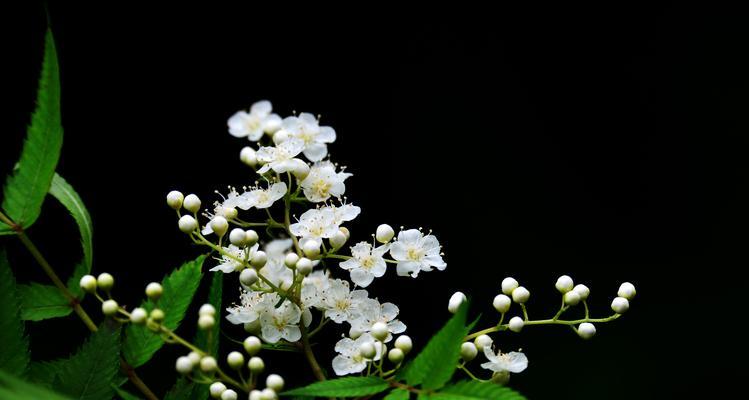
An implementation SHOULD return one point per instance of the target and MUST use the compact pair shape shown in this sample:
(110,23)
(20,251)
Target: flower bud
(396,355)
(516,324)
(219,225)
(379,331)
(582,291)
(291,259)
(174,199)
(187,224)
(509,285)
(627,290)
(208,364)
(564,284)
(109,307)
(345,232)
(252,345)
(268,394)
(300,170)
(468,351)
(620,305)
(88,283)
(304,266)
(368,350)
(216,389)
(248,155)
(256,395)
(500,378)
(229,395)
(256,365)
(154,291)
(105,281)
(311,248)
(521,294)
(259,259)
(251,237)
(337,240)
(456,300)
(502,303)
(275,382)
(280,136)
(586,330)
(238,237)
(483,341)
(354,333)
(184,365)
(194,357)
(157,315)
(384,233)
(404,343)
(571,298)
(206,322)
(191,203)
(235,360)
(252,327)
(248,276)
(207,309)
(138,316)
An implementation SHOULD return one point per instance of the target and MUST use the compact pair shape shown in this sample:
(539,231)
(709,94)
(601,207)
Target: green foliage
(14,357)
(140,344)
(40,302)
(65,193)
(12,388)
(342,387)
(73,283)
(398,394)
(124,395)
(475,390)
(435,364)
(26,188)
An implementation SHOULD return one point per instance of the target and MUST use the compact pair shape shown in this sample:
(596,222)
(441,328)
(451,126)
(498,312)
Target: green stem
(550,321)
(316,370)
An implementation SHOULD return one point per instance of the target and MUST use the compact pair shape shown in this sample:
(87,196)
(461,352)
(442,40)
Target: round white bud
(521,294)
(256,395)
(138,316)
(455,301)
(337,240)
(620,305)
(251,237)
(379,331)
(208,364)
(229,394)
(216,389)
(468,351)
(248,276)
(368,350)
(281,136)
(291,259)
(586,330)
(516,324)
(238,237)
(311,248)
(194,357)
(109,307)
(219,225)
(483,341)
(187,224)
(354,333)
(502,303)
(154,290)
(256,365)
(345,232)
(206,322)
(564,284)
(235,360)
(157,315)
(230,212)
(384,233)
(191,203)
(88,283)
(248,155)
(275,382)
(207,309)
(627,290)
(300,170)
(252,345)
(184,365)
(268,394)
(304,266)
(571,298)
(404,343)
(105,281)
(259,259)
(509,285)
(396,355)
(582,291)
(174,199)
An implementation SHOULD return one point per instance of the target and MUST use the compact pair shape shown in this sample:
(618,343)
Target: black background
(606,143)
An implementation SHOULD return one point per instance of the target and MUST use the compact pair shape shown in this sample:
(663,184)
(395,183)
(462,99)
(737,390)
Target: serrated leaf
(398,394)
(63,192)
(39,302)
(436,363)
(475,390)
(88,374)
(74,281)
(140,344)
(43,372)
(26,188)
(184,389)
(14,357)
(12,388)
(342,387)
(125,395)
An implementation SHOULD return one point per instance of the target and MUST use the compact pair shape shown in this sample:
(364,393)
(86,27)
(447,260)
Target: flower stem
(316,370)
(550,321)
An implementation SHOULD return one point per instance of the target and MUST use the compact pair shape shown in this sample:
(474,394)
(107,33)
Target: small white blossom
(282,322)
(344,213)
(315,224)
(367,263)
(323,181)
(350,360)
(306,128)
(249,310)
(254,124)
(511,362)
(229,264)
(371,312)
(262,198)
(416,252)
(340,303)
(281,157)
(275,269)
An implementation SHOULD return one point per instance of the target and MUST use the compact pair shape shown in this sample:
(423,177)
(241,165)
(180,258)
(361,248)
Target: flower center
(322,187)
(367,262)
(414,254)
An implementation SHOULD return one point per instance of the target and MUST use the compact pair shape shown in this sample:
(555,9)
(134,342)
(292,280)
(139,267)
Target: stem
(316,370)
(550,321)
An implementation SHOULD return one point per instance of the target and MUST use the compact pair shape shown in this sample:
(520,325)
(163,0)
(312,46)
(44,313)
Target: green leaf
(89,373)
(12,388)
(398,394)
(40,302)
(184,389)
(65,193)
(26,188)
(124,395)
(342,387)
(44,372)
(14,357)
(73,283)
(475,390)
(140,344)
(435,364)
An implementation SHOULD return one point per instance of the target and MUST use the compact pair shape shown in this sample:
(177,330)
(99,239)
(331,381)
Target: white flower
(416,252)
(275,269)
(340,303)
(262,198)
(249,310)
(315,224)
(350,360)
(344,213)
(228,263)
(371,311)
(313,288)
(367,263)
(511,362)
(305,127)
(253,124)
(281,158)
(323,181)
(280,323)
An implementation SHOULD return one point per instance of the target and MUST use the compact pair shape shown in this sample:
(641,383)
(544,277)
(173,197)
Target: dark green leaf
(65,193)
(44,372)
(124,395)
(40,302)
(14,357)
(26,188)
(475,390)
(74,281)
(140,344)
(342,387)
(183,389)
(12,388)
(398,394)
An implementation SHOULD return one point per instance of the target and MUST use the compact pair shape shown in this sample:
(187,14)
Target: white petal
(361,277)
(292,333)
(326,135)
(236,124)
(518,362)
(408,267)
(316,151)
(261,108)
